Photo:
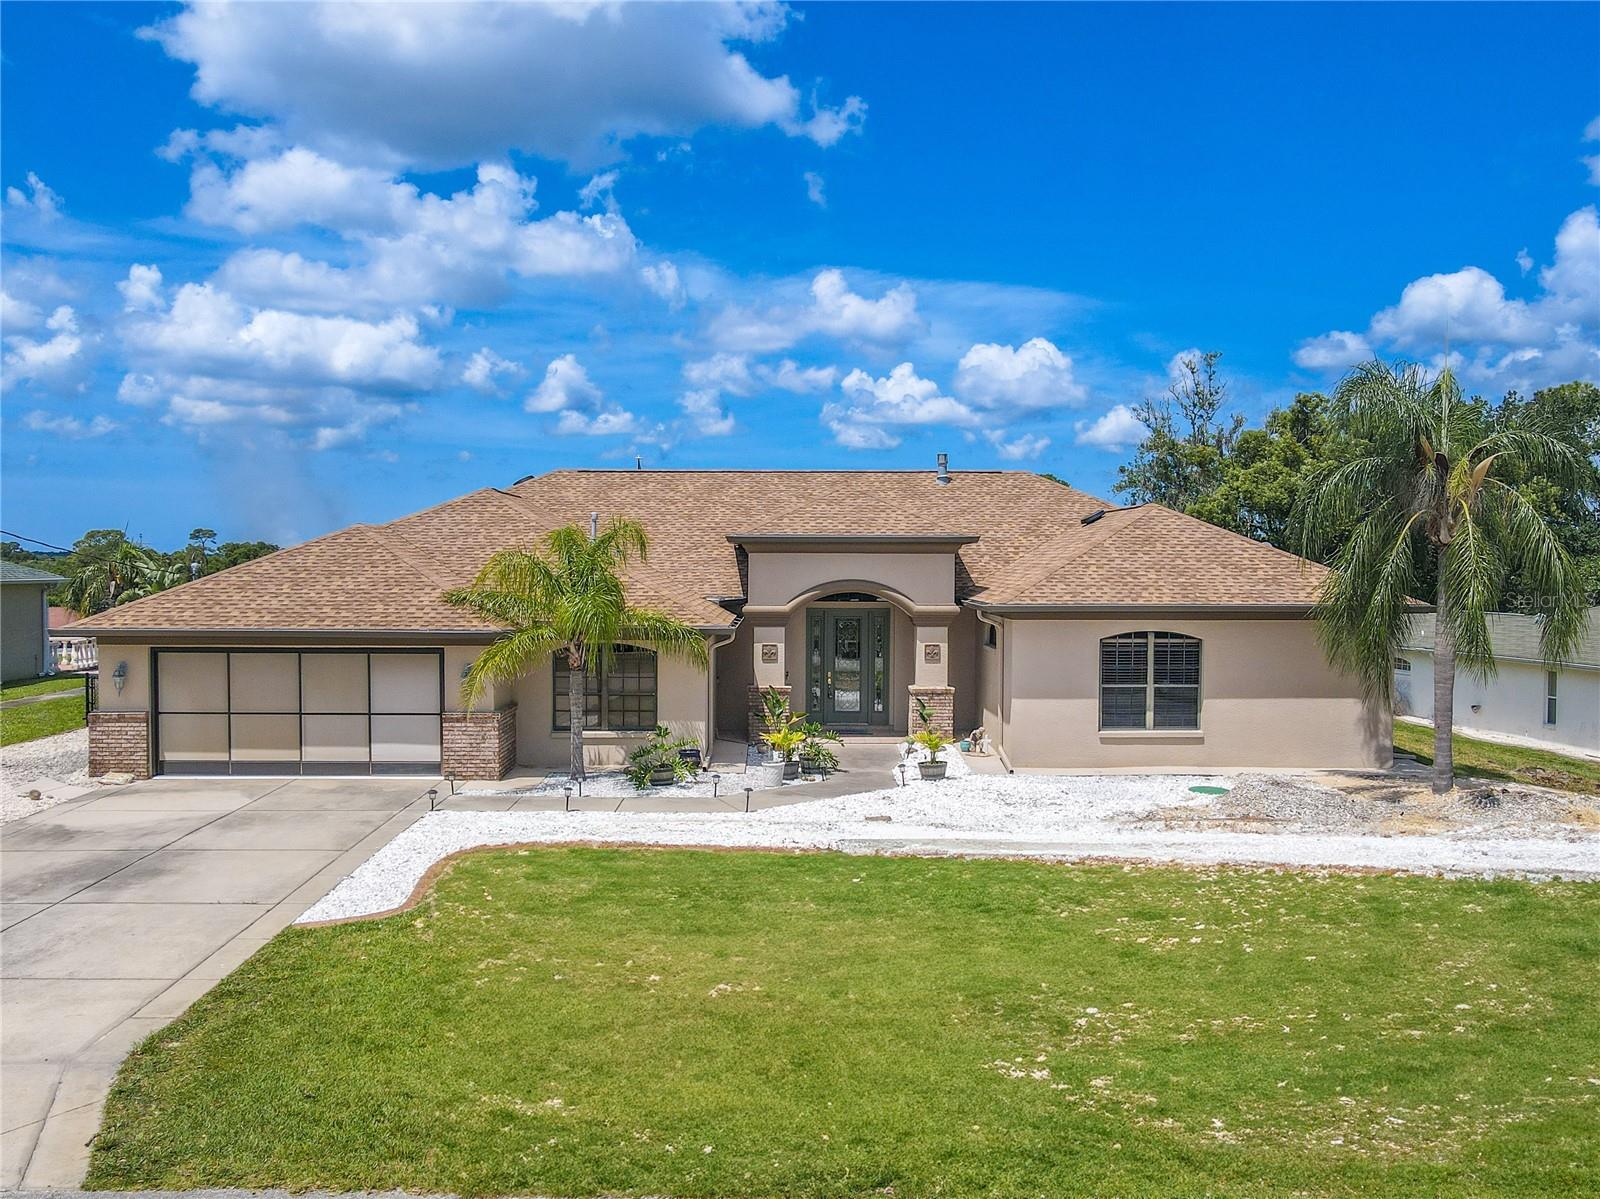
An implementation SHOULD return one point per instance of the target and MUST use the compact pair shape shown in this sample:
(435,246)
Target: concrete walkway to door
(121,909)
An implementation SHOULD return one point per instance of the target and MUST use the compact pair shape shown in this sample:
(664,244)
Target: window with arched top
(1150,680)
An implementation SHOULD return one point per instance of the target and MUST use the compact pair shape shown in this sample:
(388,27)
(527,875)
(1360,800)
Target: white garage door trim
(248,710)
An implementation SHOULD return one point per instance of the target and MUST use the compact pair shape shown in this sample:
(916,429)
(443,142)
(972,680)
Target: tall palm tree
(567,597)
(1423,501)
(127,573)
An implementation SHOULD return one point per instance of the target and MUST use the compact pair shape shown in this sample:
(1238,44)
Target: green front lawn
(579,1022)
(1512,763)
(28,722)
(41,686)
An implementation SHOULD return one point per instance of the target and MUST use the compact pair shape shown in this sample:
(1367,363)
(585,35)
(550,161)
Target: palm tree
(567,598)
(1422,501)
(127,573)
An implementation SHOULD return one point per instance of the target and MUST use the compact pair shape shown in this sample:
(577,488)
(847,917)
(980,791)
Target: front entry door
(849,663)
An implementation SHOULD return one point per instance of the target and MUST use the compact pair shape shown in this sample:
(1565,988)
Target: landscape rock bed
(58,766)
(1053,817)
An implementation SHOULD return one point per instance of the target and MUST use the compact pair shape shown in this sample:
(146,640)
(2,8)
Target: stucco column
(767,644)
(931,680)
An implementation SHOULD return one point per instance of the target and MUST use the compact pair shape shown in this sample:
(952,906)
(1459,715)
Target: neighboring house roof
(1032,548)
(1514,637)
(15,572)
(57,617)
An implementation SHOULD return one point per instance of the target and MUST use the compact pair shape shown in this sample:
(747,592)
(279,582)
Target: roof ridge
(401,547)
(1266,545)
(1048,562)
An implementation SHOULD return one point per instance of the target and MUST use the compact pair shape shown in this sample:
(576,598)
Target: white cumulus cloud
(69,426)
(485,370)
(1337,350)
(1033,376)
(577,402)
(1115,431)
(442,85)
(834,309)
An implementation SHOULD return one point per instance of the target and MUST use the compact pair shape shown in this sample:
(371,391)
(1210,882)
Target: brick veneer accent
(758,712)
(479,745)
(119,743)
(943,702)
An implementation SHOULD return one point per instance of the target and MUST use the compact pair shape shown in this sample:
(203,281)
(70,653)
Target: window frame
(598,692)
(1552,708)
(1150,686)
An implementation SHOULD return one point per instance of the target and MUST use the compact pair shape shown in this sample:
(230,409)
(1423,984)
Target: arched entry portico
(852,630)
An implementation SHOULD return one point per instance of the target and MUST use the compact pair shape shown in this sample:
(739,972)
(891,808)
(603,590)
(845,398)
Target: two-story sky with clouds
(275,268)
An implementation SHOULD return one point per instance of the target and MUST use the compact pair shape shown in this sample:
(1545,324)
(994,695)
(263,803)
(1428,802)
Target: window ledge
(1187,735)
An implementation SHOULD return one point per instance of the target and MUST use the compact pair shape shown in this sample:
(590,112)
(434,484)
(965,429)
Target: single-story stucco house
(1528,700)
(24,623)
(1077,633)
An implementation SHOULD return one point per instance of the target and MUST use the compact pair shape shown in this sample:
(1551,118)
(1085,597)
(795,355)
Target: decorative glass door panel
(848,665)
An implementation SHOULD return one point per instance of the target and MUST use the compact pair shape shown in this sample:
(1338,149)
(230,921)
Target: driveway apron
(119,910)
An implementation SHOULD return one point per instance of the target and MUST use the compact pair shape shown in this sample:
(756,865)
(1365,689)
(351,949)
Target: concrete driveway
(121,909)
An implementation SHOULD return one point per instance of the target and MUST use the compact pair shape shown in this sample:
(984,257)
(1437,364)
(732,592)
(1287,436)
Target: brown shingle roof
(1032,548)
(1154,555)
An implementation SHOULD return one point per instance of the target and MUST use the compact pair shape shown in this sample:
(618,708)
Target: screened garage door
(298,711)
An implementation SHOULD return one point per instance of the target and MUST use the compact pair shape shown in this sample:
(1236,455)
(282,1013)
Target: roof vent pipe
(638,462)
(944,469)
(594,525)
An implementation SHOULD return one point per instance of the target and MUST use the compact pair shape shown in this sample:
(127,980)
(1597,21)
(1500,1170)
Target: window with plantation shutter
(1150,680)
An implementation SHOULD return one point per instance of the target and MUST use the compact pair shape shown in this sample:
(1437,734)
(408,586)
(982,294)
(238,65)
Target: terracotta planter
(932,771)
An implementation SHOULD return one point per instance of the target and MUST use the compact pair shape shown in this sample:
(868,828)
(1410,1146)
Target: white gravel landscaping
(57,766)
(1040,816)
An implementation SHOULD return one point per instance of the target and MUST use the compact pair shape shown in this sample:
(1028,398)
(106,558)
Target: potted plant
(933,767)
(816,756)
(659,761)
(786,743)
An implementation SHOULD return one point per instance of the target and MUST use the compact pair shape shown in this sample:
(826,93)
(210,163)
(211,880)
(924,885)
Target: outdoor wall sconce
(465,671)
(119,676)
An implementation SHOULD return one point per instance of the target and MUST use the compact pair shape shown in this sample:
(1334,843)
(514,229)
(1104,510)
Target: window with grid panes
(1150,680)
(620,695)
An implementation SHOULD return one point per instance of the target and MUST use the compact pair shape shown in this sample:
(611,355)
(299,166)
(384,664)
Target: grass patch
(1511,763)
(29,722)
(26,687)
(579,1022)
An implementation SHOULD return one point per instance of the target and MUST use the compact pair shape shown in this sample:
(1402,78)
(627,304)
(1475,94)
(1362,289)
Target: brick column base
(480,745)
(942,701)
(758,712)
(119,743)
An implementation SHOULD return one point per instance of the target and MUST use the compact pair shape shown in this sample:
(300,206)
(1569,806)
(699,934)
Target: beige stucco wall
(681,700)
(24,641)
(1268,698)
(777,578)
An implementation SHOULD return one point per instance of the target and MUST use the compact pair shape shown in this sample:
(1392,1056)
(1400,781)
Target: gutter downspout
(712,646)
(1000,708)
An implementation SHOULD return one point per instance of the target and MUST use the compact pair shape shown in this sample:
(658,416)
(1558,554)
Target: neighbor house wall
(1268,698)
(681,699)
(1510,704)
(24,636)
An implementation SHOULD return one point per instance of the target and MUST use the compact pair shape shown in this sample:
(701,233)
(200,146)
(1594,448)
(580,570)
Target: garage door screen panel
(299,712)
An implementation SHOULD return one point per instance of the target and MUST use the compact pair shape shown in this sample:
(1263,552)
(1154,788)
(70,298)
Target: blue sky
(275,269)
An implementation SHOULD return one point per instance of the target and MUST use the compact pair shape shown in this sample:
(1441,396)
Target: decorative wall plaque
(930,652)
(769,652)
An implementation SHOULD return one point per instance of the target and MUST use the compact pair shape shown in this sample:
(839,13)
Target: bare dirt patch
(1385,804)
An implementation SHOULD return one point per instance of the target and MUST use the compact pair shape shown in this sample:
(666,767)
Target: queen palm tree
(567,597)
(1422,501)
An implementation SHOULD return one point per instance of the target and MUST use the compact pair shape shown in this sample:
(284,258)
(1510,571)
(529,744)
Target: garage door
(298,711)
